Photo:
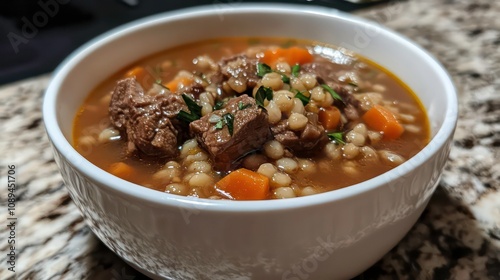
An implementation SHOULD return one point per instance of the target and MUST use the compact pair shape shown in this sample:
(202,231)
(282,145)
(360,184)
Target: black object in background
(35,36)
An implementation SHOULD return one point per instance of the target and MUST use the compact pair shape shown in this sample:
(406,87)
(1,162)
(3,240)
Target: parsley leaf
(218,105)
(192,105)
(229,120)
(226,120)
(335,95)
(295,70)
(219,124)
(337,137)
(285,79)
(187,117)
(353,84)
(263,69)
(194,108)
(302,98)
(262,94)
(242,106)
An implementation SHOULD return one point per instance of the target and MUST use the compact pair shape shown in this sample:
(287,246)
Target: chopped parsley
(262,94)
(285,79)
(187,117)
(302,97)
(263,69)
(220,124)
(226,120)
(335,95)
(353,84)
(194,109)
(337,137)
(218,105)
(242,106)
(295,70)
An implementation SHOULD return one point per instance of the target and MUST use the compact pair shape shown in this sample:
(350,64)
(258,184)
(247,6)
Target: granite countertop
(457,237)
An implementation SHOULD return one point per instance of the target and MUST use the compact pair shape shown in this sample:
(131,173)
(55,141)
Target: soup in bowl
(168,129)
(250,118)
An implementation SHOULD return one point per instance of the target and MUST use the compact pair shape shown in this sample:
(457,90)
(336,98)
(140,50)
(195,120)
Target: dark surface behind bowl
(32,50)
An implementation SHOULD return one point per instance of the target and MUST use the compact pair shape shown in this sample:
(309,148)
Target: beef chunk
(303,143)
(148,122)
(240,67)
(326,74)
(127,94)
(325,71)
(250,131)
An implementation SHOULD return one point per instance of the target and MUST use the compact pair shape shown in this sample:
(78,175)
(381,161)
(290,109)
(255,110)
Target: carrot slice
(329,117)
(381,119)
(121,169)
(178,83)
(243,184)
(293,55)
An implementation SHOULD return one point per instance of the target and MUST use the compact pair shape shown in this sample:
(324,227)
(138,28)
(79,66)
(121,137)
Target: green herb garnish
(295,70)
(302,97)
(335,95)
(337,137)
(285,79)
(192,105)
(229,120)
(353,84)
(263,69)
(219,124)
(226,120)
(194,109)
(242,106)
(187,117)
(262,94)
(218,105)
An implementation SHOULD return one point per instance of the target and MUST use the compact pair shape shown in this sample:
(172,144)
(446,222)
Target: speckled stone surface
(457,237)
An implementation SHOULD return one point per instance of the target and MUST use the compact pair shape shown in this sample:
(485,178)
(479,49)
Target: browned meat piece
(325,74)
(127,94)
(325,71)
(240,67)
(153,134)
(250,131)
(147,121)
(303,143)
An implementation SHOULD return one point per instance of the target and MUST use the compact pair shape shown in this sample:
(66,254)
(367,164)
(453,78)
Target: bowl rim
(120,186)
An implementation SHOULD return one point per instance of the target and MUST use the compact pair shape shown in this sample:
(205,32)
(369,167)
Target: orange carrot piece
(298,55)
(141,75)
(381,119)
(178,83)
(121,169)
(329,117)
(293,55)
(243,184)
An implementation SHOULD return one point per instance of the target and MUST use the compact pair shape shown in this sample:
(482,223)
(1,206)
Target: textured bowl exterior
(335,235)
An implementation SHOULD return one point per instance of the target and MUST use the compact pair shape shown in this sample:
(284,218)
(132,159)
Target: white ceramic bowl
(334,235)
